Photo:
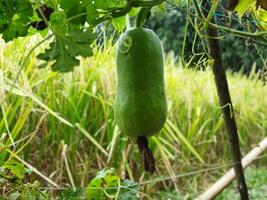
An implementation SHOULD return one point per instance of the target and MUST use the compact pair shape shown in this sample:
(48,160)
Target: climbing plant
(69,26)
(70,29)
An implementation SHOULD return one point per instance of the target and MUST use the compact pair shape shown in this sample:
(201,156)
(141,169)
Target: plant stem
(257,36)
(146,154)
(123,11)
(140,17)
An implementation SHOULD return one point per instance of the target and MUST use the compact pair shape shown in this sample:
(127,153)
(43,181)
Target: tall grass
(63,124)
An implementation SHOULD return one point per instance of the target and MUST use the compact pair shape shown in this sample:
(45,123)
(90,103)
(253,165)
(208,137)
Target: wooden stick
(225,100)
(225,180)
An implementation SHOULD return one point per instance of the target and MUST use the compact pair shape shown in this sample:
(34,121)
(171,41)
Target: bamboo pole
(225,180)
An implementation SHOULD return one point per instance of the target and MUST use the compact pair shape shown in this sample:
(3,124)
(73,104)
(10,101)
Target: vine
(72,37)
(72,25)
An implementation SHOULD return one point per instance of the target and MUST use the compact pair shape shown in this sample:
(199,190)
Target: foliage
(50,105)
(237,53)
(256,180)
(14,15)
(71,24)
(73,114)
(12,182)
(64,50)
(68,25)
(243,5)
(107,184)
(13,186)
(71,194)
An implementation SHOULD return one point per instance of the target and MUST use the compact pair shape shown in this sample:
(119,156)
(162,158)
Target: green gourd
(140,101)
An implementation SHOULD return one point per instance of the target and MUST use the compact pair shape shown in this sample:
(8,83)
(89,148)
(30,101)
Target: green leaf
(74,8)
(15,168)
(243,6)
(69,194)
(14,18)
(92,12)
(64,49)
(69,5)
(260,15)
(93,7)
(119,23)
(109,4)
(59,23)
(33,192)
(105,185)
(129,191)
(94,190)
(112,181)
(134,12)
(105,178)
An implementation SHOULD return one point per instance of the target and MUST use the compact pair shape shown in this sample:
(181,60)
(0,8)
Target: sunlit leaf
(16,168)
(261,17)
(119,23)
(243,6)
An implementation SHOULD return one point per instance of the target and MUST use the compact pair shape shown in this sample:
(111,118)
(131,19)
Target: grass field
(63,124)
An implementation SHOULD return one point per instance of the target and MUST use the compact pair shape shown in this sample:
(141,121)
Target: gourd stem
(140,16)
(146,154)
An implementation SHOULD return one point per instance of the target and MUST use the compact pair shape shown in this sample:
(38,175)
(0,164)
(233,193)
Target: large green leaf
(73,9)
(63,51)
(14,18)
(107,185)
(92,12)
